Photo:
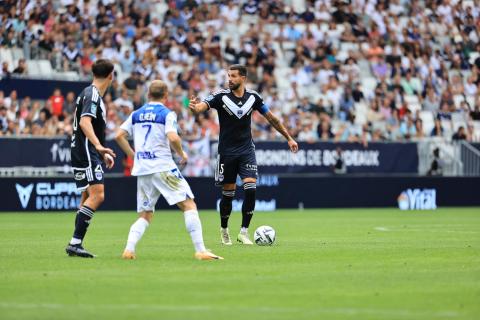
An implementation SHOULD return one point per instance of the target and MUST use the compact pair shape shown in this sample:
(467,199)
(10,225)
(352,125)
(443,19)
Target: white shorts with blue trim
(170,184)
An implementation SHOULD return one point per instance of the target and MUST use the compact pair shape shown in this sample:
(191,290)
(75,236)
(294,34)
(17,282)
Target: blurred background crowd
(359,70)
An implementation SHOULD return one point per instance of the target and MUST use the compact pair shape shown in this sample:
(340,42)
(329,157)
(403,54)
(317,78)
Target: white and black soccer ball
(264,236)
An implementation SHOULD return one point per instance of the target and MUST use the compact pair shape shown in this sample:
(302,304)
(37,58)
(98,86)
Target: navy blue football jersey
(89,103)
(235,118)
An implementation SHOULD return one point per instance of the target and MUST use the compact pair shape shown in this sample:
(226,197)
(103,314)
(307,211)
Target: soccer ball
(264,236)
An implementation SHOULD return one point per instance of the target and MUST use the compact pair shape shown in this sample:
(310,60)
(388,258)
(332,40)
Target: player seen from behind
(154,130)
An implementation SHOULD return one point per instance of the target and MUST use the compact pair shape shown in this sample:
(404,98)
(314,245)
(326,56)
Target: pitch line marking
(338,311)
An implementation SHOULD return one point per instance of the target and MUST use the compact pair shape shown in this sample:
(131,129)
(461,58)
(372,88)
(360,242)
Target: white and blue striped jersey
(149,126)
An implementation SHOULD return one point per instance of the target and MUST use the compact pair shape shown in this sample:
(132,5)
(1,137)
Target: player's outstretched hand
(184,159)
(109,162)
(293,145)
(193,101)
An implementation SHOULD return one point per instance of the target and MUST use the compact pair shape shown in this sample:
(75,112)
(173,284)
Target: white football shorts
(170,184)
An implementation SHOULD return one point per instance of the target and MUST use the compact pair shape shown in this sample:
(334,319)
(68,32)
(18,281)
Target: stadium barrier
(40,88)
(272,157)
(273,192)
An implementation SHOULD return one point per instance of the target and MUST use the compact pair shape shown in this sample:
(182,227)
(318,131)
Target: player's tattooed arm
(197,106)
(275,122)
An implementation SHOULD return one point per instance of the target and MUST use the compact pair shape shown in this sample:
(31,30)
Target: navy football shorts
(85,177)
(229,166)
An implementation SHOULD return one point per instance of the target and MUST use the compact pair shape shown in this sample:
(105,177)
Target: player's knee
(229,186)
(188,204)
(147,215)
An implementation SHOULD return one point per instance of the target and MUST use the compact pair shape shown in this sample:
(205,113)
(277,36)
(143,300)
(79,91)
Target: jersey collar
(155,104)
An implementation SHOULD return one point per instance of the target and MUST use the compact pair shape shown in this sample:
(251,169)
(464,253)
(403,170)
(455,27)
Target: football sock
(248,203)
(82,221)
(226,207)
(136,232)
(194,227)
(243,230)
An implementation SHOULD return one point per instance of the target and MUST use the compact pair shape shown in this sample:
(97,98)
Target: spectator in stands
(132,84)
(380,68)
(21,68)
(3,120)
(305,105)
(324,130)
(124,100)
(419,129)
(71,57)
(374,114)
(406,43)
(56,101)
(475,114)
(460,134)
(339,167)
(408,85)
(357,93)
(43,117)
(408,128)
(127,62)
(472,134)
(230,13)
(4,72)
(69,104)
(307,133)
(127,163)
(436,167)
(431,101)
(445,112)
(12,99)
(437,130)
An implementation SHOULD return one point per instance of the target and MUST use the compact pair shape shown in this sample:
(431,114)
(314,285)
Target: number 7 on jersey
(149,128)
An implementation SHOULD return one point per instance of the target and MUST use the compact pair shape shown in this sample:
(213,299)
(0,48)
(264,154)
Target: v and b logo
(24,194)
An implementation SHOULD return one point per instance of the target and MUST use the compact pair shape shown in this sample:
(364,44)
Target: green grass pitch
(326,264)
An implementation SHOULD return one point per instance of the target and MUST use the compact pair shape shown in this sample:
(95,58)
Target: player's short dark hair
(157,90)
(242,69)
(102,68)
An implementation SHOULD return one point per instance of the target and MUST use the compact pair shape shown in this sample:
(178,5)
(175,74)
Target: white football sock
(136,232)
(194,227)
(243,230)
(75,241)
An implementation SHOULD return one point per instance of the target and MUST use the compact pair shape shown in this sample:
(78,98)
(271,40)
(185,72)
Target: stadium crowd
(360,70)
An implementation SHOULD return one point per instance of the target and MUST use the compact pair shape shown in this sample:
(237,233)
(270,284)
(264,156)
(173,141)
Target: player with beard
(236,151)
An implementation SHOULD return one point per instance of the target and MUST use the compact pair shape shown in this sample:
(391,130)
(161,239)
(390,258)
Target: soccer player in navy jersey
(236,151)
(89,152)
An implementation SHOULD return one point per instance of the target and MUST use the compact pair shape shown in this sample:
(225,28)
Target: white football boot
(243,238)
(225,237)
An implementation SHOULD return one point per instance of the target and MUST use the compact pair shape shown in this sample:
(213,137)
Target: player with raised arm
(236,151)
(88,152)
(154,131)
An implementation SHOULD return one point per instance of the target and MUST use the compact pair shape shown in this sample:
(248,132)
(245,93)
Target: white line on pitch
(318,310)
